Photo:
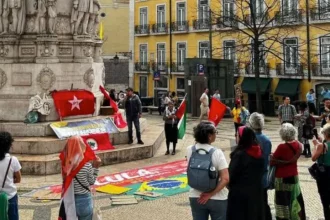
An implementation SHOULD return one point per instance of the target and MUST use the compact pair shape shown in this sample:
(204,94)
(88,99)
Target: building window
(144,17)
(181,53)
(324,6)
(162,84)
(180,87)
(161,18)
(161,57)
(143,86)
(291,52)
(289,6)
(181,12)
(204,49)
(229,50)
(325,52)
(228,10)
(143,53)
(203,10)
(262,54)
(258,7)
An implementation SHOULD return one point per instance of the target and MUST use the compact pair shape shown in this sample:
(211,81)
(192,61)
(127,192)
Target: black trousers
(268,214)
(324,190)
(237,125)
(312,108)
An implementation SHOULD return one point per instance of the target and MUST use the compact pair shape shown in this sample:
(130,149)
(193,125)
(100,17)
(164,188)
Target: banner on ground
(65,129)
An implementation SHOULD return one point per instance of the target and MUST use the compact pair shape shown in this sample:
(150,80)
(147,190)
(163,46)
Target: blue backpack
(201,173)
(245,114)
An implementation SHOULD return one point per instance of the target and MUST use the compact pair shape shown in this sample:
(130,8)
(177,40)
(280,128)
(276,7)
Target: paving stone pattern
(171,208)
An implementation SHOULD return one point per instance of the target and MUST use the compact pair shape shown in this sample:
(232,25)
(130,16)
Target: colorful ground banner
(68,129)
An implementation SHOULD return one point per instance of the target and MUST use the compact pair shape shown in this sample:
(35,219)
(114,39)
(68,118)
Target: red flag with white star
(73,102)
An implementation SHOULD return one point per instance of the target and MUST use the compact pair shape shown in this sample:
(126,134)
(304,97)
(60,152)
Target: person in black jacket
(246,169)
(133,108)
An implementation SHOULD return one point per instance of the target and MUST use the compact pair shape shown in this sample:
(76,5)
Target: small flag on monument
(113,104)
(73,102)
(217,111)
(98,142)
(181,114)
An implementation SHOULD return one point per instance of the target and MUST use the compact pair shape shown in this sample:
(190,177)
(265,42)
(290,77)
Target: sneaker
(167,153)
(140,142)
(130,142)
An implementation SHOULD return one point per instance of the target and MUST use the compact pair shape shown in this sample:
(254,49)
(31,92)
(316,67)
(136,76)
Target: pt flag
(98,142)
(113,104)
(73,102)
(181,110)
(217,111)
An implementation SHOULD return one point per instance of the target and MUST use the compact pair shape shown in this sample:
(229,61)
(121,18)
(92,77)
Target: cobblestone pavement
(171,208)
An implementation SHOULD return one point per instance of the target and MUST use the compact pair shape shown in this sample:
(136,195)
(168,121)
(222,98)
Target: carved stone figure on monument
(85,8)
(89,78)
(74,15)
(46,78)
(94,18)
(46,8)
(17,10)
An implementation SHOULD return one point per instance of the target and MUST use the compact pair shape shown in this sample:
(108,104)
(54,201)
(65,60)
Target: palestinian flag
(181,114)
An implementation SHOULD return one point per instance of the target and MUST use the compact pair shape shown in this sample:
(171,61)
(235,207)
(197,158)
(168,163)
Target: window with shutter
(229,50)
(204,50)
(143,54)
(181,53)
(291,53)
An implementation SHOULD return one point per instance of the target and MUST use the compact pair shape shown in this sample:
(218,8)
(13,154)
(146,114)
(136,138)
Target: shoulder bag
(318,169)
(4,197)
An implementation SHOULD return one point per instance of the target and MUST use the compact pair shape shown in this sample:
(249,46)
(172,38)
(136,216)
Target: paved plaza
(174,207)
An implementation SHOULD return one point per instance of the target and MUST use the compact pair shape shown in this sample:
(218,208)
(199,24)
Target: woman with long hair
(289,202)
(237,113)
(10,174)
(246,169)
(304,114)
(171,127)
(321,154)
(79,171)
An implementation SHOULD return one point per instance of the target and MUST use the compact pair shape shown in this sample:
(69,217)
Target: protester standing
(325,93)
(161,104)
(303,122)
(311,100)
(246,170)
(10,174)
(214,203)
(175,99)
(321,154)
(289,203)
(239,114)
(217,95)
(171,127)
(257,122)
(75,154)
(287,112)
(133,110)
(204,99)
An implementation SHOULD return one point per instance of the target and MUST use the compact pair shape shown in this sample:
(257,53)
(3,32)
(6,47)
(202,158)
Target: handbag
(97,215)
(4,197)
(318,169)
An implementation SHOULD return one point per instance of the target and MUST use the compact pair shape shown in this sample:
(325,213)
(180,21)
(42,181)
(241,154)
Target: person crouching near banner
(79,171)
(171,127)
(9,175)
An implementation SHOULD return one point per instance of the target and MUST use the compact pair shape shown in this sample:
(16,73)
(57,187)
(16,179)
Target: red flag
(98,142)
(74,102)
(217,111)
(119,121)
(181,110)
(112,102)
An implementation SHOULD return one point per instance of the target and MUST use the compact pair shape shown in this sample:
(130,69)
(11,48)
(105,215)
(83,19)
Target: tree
(259,27)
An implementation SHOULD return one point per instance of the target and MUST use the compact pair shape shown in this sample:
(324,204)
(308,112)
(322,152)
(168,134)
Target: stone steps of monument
(50,164)
(52,145)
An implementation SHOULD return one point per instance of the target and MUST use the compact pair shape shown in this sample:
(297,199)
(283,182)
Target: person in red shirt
(289,202)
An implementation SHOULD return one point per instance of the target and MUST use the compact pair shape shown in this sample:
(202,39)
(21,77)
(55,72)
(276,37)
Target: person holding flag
(171,127)
(79,171)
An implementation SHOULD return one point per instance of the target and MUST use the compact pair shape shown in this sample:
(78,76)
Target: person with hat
(239,114)
(133,109)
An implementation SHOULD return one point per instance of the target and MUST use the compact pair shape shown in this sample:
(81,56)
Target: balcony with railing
(160,66)
(263,69)
(289,69)
(177,67)
(180,26)
(159,28)
(322,69)
(259,18)
(201,24)
(288,17)
(142,66)
(227,22)
(142,29)
(320,13)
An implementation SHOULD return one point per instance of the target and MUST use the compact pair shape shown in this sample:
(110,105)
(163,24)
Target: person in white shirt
(217,95)
(204,104)
(213,203)
(7,182)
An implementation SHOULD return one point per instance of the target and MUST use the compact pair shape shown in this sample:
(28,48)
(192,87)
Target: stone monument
(47,45)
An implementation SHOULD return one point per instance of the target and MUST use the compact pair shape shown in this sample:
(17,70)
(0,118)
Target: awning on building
(249,85)
(287,87)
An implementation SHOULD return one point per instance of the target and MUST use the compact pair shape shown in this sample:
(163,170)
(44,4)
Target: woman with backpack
(207,197)
(246,169)
(239,114)
(321,154)
(289,202)
(10,174)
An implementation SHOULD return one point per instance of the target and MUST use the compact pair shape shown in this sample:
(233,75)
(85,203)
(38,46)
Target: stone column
(131,44)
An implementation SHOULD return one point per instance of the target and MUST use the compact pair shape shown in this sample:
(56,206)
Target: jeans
(84,206)
(13,208)
(136,121)
(268,214)
(324,191)
(217,209)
